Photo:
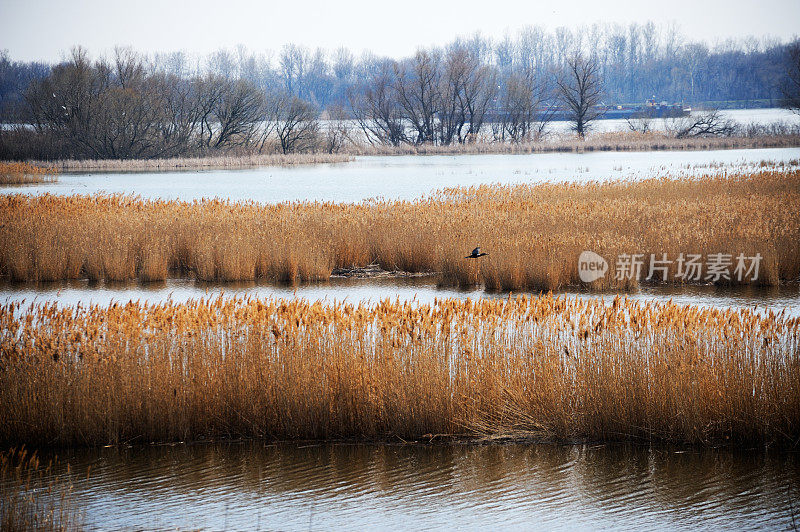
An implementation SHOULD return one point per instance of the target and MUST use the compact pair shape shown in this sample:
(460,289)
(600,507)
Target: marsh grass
(196,163)
(25,173)
(621,141)
(533,233)
(555,368)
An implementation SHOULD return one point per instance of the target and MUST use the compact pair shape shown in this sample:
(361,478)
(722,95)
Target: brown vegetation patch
(555,368)
(612,141)
(197,163)
(533,233)
(25,173)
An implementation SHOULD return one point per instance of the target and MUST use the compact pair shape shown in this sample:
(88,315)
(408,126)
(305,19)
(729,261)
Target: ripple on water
(332,486)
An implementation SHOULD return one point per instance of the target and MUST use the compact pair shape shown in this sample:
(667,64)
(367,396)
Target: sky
(47,29)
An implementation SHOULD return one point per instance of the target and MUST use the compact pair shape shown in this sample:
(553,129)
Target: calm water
(398,177)
(419,289)
(389,487)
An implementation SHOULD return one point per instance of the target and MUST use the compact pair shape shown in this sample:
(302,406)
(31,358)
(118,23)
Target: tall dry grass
(24,173)
(245,160)
(547,367)
(600,141)
(31,497)
(533,233)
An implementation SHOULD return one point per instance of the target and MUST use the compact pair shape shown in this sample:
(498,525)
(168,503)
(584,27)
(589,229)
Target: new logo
(591,266)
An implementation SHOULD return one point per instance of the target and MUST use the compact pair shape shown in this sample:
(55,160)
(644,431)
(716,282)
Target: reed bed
(546,368)
(25,173)
(196,163)
(32,497)
(534,234)
(601,141)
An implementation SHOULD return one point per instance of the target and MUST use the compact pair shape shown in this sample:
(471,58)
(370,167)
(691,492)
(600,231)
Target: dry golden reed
(24,173)
(546,367)
(600,141)
(533,233)
(567,142)
(194,163)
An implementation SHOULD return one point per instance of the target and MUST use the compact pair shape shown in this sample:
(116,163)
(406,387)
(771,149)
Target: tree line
(133,105)
(636,61)
(119,109)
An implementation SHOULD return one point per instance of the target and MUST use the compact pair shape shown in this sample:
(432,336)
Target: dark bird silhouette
(475,254)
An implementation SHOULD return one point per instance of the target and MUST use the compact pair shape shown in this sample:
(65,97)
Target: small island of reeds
(25,173)
(534,233)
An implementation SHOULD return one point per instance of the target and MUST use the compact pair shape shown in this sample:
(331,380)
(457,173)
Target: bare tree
(522,115)
(294,63)
(115,109)
(417,87)
(375,107)
(179,114)
(98,110)
(467,89)
(209,91)
(480,89)
(175,63)
(514,110)
(580,88)
(343,64)
(790,88)
(703,124)
(294,121)
(222,63)
(693,57)
(336,130)
(237,113)
(451,114)
(124,120)
(230,111)
(641,121)
(129,68)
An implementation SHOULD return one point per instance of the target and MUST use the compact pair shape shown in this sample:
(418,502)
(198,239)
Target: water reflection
(339,486)
(398,177)
(418,289)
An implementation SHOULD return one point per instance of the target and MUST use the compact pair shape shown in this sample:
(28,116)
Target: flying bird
(475,254)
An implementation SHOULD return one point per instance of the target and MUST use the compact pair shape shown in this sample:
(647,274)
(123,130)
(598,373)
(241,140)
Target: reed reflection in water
(343,486)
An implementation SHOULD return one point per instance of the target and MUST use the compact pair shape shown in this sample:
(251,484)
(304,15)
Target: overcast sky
(46,29)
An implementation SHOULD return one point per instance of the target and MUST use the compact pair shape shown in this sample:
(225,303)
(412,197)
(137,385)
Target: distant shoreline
(615,141)
(193,163)
(600,142)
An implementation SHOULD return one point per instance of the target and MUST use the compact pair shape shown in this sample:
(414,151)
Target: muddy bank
(373,271)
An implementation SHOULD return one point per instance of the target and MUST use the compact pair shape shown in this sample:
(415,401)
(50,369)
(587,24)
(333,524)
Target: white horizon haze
(45,30)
